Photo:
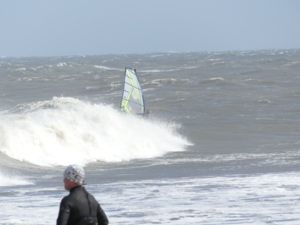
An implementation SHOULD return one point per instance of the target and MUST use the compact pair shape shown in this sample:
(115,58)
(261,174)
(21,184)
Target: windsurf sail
(132,100)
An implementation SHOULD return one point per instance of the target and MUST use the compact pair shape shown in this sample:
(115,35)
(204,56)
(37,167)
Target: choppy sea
(221,144)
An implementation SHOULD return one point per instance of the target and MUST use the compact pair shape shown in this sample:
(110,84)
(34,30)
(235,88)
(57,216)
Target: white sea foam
(216,79)
(66,130)
(256,199)
(89,88)
(61,64)
(280,158)
(21,69)
(164,81)
(107,68)
(157,70)
(248,199)
(9,180)
(167,70)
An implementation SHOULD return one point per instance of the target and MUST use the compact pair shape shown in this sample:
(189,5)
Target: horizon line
(152,53)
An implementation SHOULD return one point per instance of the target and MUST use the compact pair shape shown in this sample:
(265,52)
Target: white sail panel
(132,101)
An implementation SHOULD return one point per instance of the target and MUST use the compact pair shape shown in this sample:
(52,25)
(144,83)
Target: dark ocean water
(221,144)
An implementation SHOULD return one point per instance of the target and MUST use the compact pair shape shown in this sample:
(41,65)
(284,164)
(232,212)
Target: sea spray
(10,180)
(67,130)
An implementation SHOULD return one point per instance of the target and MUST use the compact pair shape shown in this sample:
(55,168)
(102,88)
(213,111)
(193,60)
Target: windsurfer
(79,207)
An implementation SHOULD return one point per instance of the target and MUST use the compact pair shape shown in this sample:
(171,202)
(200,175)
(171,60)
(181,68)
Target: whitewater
(63,131)
(220,145)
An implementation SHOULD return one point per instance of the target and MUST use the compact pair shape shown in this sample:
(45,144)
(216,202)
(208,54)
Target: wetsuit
(80,208)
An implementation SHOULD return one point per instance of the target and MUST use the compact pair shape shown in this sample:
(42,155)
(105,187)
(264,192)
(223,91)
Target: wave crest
(67,130)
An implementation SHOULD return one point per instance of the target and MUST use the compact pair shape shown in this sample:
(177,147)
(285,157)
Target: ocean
(220,146)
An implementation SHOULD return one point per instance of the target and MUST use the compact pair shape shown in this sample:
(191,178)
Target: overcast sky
(89,27)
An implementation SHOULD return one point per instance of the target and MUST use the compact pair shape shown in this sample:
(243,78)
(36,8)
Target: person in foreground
(79,207)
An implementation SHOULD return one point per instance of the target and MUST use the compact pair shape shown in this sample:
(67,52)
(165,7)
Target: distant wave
(107,68)
(162,81)
(216,79)
(66,130)
(167,70)
(278,158)
(220,81)
(213,80)
(61,64)
(8,180)
(158,70)
(20,69)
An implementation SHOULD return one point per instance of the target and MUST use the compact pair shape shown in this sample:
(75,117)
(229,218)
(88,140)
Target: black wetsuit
(80,208)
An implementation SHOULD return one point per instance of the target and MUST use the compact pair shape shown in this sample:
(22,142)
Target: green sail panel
(132,100)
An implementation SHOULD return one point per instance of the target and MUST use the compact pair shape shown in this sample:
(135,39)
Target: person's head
(73,176)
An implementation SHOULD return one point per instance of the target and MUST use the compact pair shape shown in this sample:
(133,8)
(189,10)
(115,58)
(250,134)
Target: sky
(97,27)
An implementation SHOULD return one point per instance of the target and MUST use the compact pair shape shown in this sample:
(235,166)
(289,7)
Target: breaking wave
(67,130)
(7,180)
